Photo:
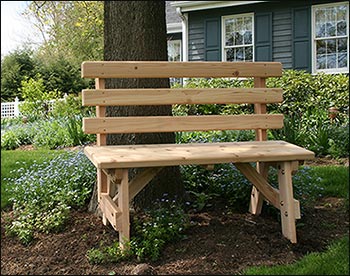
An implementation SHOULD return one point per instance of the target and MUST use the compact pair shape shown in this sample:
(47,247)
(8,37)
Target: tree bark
(136,30)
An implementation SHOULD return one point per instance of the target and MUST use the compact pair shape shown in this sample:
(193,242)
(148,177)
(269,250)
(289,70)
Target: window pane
(248,53)
(230,54)
(228,32)
(331,61)
(330,46)
(342,45)
(320,23)
(342,60)
(331,22)
(239,54)
(239,31)
(341,28)
(321,62)
(248,38)
(320,47)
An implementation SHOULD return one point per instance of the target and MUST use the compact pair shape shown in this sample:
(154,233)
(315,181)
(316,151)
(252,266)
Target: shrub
(71,106)
(36,98)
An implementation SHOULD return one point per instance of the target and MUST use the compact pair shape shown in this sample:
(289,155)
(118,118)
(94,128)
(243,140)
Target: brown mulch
(219,241)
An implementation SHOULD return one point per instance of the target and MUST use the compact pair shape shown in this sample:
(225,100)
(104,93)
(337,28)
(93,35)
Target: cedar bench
(115,190)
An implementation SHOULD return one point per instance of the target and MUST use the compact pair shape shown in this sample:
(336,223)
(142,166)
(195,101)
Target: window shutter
(302,39)
(263,36)
(212,39)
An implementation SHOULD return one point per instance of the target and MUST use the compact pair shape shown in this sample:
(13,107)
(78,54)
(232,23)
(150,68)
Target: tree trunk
(136,30)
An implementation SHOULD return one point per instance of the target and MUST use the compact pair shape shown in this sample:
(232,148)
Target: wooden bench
(115,190)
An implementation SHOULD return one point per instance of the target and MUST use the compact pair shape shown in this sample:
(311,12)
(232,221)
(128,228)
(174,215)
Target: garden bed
(218,242)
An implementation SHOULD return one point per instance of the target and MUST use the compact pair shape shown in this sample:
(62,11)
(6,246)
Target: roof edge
(187,6)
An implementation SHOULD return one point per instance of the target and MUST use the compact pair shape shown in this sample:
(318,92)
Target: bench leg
(102,186)
(256,198)
(286,200)
(123,204)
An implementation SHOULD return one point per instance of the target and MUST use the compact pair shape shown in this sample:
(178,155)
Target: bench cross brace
(114,203)
(282,199)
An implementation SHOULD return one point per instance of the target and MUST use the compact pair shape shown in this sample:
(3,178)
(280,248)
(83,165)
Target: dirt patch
(218,242)
(327,161)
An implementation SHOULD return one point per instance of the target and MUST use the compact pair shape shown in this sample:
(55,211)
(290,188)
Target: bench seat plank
(133,156)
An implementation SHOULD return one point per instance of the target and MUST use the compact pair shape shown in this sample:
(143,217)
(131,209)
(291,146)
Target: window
(174,54)
(238,37)
(174,50)
(330,30)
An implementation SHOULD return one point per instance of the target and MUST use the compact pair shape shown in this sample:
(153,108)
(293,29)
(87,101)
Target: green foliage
(74,28)
(14,68)
(43,194)
(10,140)
(214,136)
(334,261)
(52,134)
(17,134)
(46,133)
(62,75)
(36,98)
(225,181)
(162,224)
(71,106)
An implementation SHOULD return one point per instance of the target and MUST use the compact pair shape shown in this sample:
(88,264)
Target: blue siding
(196,39)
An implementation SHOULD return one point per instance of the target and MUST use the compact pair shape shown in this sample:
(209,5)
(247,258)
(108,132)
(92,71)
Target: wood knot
(235,73)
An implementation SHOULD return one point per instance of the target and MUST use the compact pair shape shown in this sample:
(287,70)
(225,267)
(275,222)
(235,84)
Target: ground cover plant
(13,162)
(42,195)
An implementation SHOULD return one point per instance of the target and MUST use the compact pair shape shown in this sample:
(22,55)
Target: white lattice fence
(11,109)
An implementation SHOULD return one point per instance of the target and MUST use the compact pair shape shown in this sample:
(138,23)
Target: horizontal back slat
(164,69)
(181,123)
(111,97)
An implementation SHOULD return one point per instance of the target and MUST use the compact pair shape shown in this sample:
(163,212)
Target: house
(304,35)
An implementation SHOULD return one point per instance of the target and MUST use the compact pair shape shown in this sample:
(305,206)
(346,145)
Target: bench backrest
(259,96)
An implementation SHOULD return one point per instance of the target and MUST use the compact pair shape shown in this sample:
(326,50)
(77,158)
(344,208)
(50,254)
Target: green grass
(334,261)
(12,160)
(335,180)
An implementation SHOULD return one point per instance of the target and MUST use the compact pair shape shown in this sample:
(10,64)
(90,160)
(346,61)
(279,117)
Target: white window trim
(313,47)
(223,37)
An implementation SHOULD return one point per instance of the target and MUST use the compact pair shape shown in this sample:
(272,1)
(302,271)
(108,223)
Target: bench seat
(132,156)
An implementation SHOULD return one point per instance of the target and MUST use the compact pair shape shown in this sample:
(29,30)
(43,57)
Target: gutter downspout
(184,22)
